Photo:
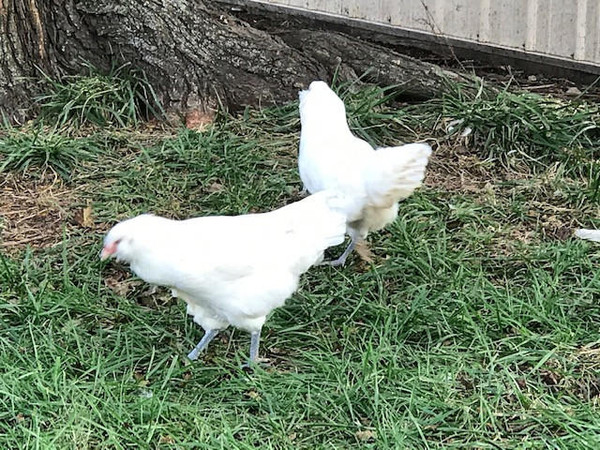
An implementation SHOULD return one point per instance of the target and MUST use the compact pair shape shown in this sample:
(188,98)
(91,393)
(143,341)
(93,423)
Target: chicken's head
(320,106)
(120,242)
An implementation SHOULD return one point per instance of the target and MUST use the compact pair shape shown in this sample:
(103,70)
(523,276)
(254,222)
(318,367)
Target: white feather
(590,235)
(232,270)
(332,158)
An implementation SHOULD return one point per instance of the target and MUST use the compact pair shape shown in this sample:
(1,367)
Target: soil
(33,211)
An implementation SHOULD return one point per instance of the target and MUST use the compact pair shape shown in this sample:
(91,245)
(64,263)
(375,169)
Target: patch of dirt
(119,279)
(456,168)
(587,382)
(35,210)
(32,211)
(578,377)
(505,244)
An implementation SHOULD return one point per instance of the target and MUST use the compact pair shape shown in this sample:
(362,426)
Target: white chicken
(332,158)
(590,235)
(230,270)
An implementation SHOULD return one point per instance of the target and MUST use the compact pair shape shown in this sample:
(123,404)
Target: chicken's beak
(108,251)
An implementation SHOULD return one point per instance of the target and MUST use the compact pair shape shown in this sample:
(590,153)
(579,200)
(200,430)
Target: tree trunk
(195,54)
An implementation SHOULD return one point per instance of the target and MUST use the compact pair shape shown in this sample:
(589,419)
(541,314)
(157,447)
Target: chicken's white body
(232,270)
(332,158)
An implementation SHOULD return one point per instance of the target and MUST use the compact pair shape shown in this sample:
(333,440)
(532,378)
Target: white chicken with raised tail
(332,158)
(590,235)
(231,270)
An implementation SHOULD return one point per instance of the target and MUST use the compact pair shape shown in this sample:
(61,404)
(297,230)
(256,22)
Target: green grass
(42,147)
(121,97)
(475,327)
(527,125)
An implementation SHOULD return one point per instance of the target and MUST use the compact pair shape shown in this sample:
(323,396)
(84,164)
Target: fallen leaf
(141,379)
(84,217)
(121,287)
(87,216)
(253,395)
(215,187)
(166,440)
(365,435)
(365,253)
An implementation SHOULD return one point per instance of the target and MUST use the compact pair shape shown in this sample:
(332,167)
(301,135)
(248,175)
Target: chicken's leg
(209,335)
(254,344)
(342,259)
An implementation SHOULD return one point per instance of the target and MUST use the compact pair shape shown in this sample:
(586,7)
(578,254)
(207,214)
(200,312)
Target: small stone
(573,92)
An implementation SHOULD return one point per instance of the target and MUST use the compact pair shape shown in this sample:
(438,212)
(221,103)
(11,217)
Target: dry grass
(34,211)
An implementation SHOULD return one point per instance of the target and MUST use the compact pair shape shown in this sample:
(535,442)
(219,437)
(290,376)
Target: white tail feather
(395,173)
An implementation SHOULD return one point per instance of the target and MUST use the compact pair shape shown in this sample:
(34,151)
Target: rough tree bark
(195,54)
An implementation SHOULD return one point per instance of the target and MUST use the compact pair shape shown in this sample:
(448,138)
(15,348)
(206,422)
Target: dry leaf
(141,379)
(253,395)
(121,287)
(87,217)
(166,440)
(365,253)
(365,435)
(84,217)
(215,187)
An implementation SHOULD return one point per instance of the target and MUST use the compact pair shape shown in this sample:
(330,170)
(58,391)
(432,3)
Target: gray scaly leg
(209,335)
(342,259)
(254,344)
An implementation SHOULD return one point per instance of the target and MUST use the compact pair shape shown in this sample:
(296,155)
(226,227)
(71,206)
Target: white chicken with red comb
(332,158)
(230,270)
